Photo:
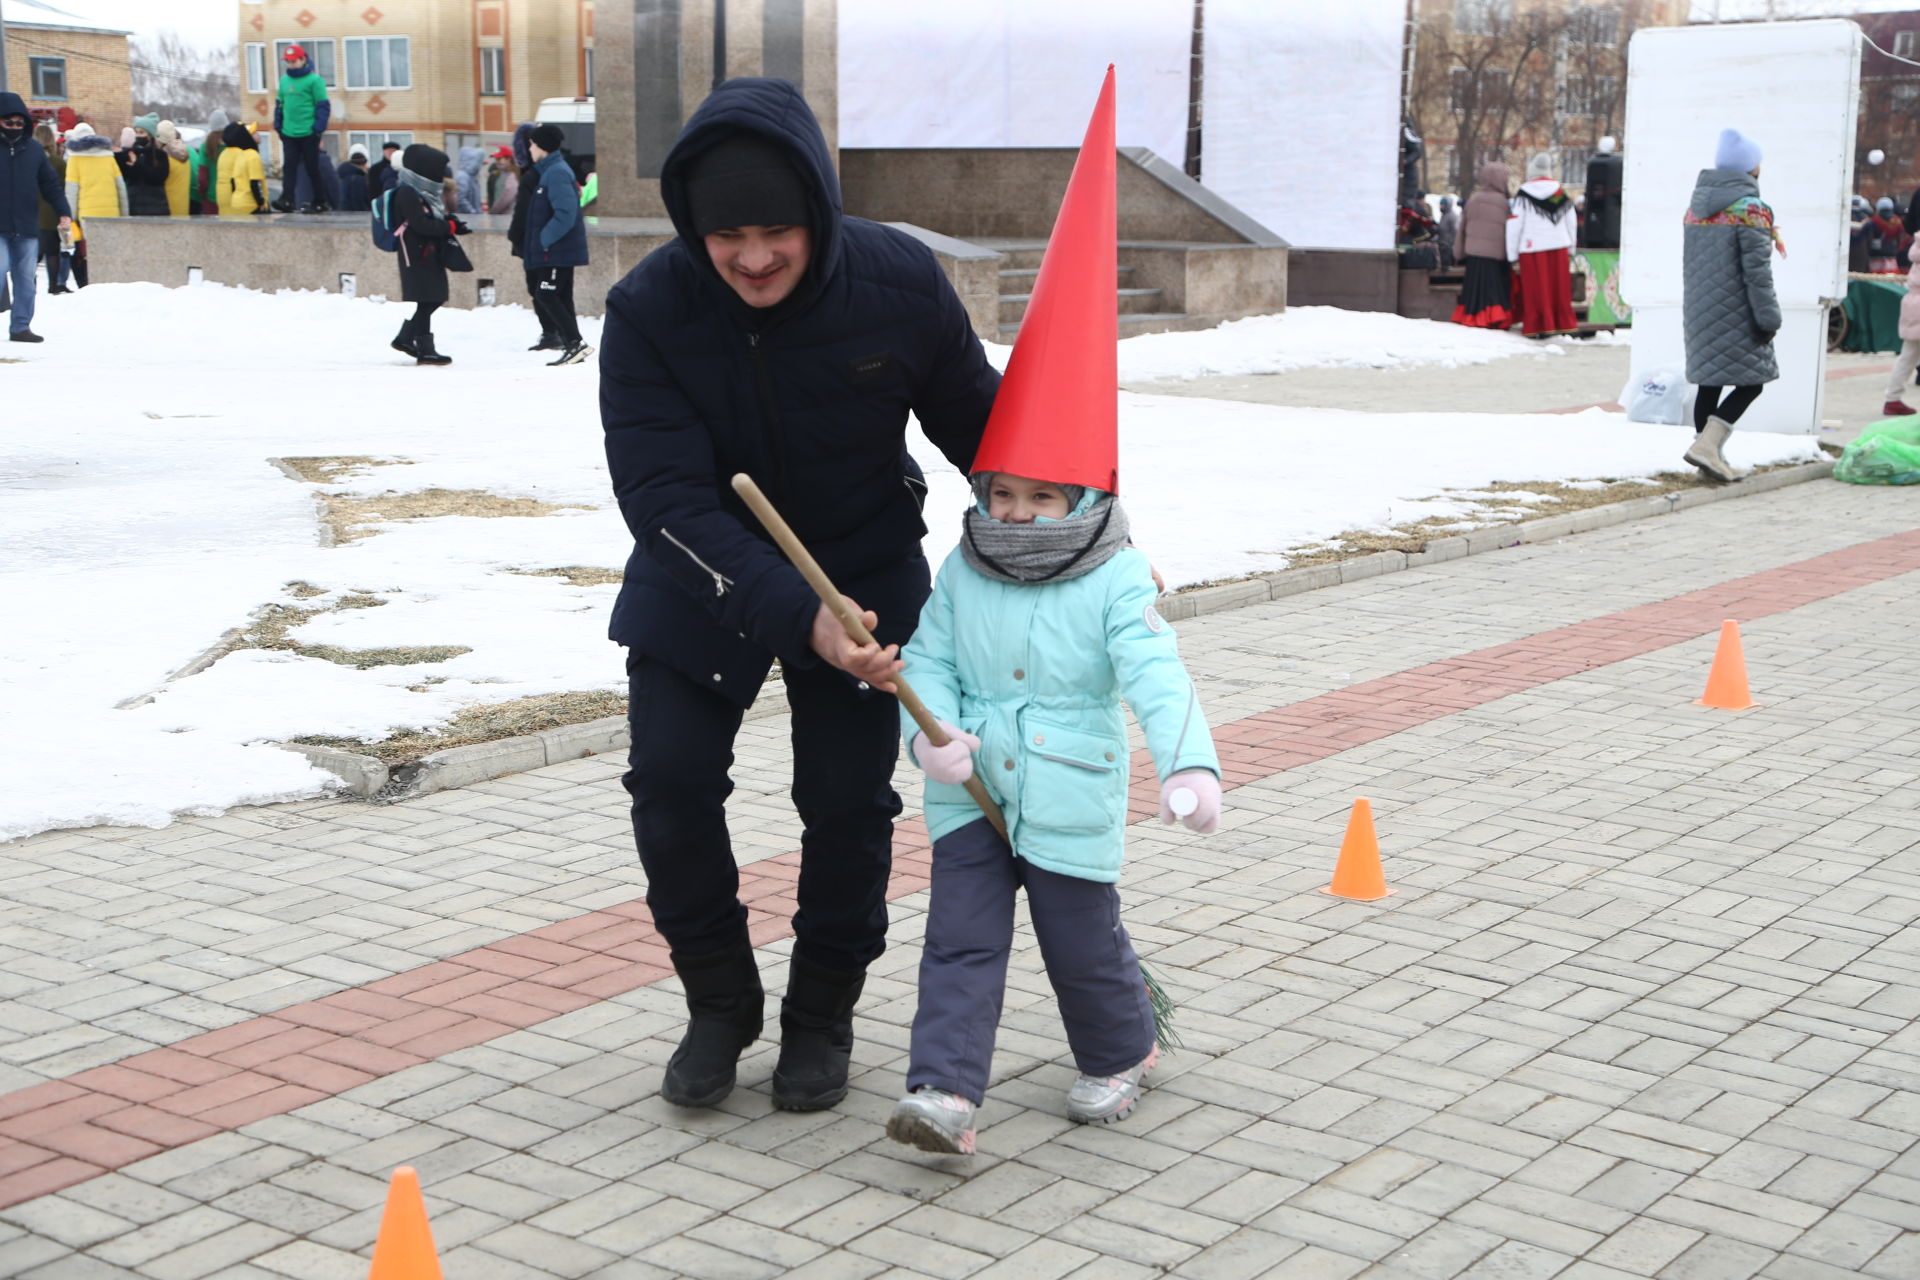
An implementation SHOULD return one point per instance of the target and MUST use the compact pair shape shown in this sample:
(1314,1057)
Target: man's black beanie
(745,180)
(548,137)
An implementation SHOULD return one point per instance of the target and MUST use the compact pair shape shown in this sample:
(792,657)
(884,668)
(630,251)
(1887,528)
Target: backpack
(385,235)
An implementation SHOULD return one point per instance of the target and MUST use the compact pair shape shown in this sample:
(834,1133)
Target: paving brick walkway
(1642,1005)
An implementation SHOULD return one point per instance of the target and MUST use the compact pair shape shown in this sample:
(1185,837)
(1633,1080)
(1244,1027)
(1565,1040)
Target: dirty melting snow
(142,520)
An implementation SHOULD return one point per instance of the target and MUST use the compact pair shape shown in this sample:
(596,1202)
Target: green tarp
(1873,315)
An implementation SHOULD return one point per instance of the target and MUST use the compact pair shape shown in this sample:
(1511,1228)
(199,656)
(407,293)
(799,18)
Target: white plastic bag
(1659,395)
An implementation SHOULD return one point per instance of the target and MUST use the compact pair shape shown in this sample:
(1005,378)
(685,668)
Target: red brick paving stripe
(61,1132)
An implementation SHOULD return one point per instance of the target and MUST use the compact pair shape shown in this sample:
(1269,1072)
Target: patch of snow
(140,518)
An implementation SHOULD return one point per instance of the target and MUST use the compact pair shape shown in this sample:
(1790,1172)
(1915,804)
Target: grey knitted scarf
(1030,554)
(432,194)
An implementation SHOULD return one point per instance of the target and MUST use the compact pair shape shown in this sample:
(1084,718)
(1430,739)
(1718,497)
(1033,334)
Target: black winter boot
(816,1036)
(725,1008)
(403,341)
(424,352)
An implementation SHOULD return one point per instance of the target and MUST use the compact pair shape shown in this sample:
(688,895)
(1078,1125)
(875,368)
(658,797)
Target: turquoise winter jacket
(1037,673)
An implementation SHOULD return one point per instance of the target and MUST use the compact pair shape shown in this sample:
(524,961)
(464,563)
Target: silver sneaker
(1104,1099)
(933,1120)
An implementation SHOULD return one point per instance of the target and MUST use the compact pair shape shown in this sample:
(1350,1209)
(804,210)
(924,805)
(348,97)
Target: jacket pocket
(1073,779)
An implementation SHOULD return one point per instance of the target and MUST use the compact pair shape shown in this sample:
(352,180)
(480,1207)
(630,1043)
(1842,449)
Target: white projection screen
(1302,124)
(1793,87)
(1300,102)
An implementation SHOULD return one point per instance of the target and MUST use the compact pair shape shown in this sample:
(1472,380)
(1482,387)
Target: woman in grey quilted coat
(1729,307)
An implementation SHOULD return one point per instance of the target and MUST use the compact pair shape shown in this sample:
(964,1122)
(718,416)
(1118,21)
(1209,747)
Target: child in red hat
(1039,624)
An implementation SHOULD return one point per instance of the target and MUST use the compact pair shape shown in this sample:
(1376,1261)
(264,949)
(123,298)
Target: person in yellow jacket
(243,182)
(169,140)
(95,188)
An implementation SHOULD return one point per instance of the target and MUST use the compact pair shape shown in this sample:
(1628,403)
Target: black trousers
(552,290)
(59,265)
(1707,404)
(845,745)
(297,152)
(420,323)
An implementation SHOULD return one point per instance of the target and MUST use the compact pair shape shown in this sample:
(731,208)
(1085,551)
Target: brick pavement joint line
(59,1133)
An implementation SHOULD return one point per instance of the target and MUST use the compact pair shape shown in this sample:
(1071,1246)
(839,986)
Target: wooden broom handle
(830,596)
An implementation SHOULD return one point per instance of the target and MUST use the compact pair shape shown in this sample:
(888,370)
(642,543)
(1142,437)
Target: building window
(493,72)
(374,141)
(1903,44)
(1573,168)
(1906,93)
(379,62)
(256,68)
(1481,17)
(49,77)
(1595,25)
(587,88)
(319,53)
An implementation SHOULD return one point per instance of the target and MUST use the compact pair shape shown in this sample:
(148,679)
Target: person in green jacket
(203,195)
(300,116)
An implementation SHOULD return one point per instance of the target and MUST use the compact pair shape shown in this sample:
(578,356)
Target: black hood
(775,110)
(12,104)
(429,162)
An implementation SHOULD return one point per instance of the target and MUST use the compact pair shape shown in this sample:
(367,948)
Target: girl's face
(1018,500)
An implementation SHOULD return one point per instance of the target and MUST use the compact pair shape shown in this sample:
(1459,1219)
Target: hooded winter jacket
(26,178)
(1543,219)
(556,233)
(1037,672)
(810,397)
(300,109)
(94,186)
(467,180)
(1728,307)
(1483,218)
(145,167)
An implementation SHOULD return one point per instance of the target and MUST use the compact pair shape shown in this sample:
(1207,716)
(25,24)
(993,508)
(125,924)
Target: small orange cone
(404,1248)
(1727,682)
(1358,875)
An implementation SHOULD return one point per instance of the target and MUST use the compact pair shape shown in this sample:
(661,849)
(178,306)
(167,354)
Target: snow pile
(141,519)
(1316,338)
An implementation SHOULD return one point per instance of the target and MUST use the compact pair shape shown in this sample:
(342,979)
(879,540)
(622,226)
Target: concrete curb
(462,766)
(1275,586)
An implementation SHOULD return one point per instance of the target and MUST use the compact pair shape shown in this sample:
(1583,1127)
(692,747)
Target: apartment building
(67,68)
(446,72)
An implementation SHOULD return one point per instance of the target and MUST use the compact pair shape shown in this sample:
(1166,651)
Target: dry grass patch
(352,515)
(1558,497)
(486,724)
(577,575)
(332,470)
(271,625)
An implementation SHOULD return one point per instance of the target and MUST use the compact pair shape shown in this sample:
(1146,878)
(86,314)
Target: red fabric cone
(1057,416)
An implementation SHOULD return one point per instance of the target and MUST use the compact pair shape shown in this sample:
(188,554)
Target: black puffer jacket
(810,397)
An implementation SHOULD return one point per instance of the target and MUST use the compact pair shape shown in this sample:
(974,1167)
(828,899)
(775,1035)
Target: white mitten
(1191,796)
(952,763)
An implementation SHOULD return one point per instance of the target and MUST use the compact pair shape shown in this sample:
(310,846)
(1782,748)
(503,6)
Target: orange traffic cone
(404,1248)
(1727,682)
(1358,875)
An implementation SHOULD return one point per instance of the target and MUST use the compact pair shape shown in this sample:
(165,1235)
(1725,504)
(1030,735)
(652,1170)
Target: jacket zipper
(720,580)
(769,418)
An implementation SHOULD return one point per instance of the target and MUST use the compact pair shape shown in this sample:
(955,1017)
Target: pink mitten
(1191,796)
(952,763)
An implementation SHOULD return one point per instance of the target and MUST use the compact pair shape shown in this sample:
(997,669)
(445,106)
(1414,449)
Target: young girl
(1039,623)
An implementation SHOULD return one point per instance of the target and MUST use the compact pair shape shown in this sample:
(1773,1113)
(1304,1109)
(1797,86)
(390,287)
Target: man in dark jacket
(776,337)
(26,178)
(556,242)
(380,176)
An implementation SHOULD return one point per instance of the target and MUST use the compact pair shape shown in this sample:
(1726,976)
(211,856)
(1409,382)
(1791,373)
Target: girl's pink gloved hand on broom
(952,763)
(1191,797)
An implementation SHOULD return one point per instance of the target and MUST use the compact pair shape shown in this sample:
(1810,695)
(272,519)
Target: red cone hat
(1057,416)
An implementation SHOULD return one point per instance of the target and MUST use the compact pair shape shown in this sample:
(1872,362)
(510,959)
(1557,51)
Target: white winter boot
(1705,454)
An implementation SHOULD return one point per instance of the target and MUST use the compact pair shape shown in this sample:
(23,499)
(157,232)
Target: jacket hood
(425,161)
(775,110)
(1492,176)
(1718,188)
(522,137)
(12,104)
(1540,188)
(471,158)
(91,144)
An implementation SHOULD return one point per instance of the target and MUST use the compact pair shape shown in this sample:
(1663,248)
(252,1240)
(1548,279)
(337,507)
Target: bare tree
(182,81)
(1485,74)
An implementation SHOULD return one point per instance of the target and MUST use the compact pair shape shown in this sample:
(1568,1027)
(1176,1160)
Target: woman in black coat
(425,231)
